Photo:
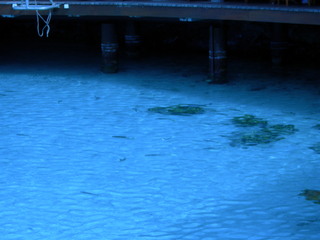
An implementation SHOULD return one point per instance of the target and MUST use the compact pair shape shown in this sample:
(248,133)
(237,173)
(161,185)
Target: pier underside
(183,11)
(215,16)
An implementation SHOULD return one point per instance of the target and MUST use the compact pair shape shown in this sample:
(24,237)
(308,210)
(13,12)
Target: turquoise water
(83,158)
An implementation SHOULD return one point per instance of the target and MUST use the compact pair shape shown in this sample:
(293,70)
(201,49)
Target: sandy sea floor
(83,158)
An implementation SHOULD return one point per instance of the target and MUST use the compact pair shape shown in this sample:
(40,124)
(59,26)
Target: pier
(214,14)
(182,10)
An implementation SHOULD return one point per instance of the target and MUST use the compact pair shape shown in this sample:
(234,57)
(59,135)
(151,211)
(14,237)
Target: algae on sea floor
(249,120)
(311,195)
(283,129)
(262,136)
(316,147)
(317,126)
(122,137)
(180,109)
(260,132)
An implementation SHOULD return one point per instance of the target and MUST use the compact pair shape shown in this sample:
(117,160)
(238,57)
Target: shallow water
(83,158)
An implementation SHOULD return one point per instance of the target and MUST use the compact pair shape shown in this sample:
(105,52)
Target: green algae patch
(248,120)
(283,129)
(316,147)
(317,126)
(254,138)
(122,137)
(180,109)
(311,195)
(263,136)
(258,131)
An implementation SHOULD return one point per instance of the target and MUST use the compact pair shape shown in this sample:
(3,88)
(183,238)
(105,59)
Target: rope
(46,24)
(45,21)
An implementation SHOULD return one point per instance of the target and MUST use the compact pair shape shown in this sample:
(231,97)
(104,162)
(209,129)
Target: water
(83,158)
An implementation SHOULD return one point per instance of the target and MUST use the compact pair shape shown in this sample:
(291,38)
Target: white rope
(46,24)
(45,21)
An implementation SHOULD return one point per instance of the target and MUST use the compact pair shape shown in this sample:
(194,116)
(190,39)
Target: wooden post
(109,48)
(278,44)
(132,40)
(217,54)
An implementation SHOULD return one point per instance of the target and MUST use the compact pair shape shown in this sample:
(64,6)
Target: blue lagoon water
(82,157)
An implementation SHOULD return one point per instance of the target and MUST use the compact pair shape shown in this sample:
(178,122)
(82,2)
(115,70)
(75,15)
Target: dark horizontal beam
(185,11)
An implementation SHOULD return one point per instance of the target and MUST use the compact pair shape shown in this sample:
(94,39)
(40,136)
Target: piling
(278,44)
(217,53)
(109,48)
(133,40)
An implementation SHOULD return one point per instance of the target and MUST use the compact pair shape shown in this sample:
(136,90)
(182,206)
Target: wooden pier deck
(180,10)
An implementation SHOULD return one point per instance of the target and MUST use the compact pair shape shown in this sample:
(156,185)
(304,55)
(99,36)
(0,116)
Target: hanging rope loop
(34,5)
(46,23)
